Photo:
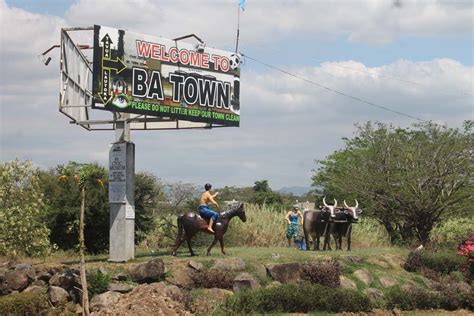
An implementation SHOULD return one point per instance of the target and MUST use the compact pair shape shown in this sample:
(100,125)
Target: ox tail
(180,228)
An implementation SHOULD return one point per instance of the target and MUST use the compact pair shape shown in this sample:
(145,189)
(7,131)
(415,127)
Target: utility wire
(334,90)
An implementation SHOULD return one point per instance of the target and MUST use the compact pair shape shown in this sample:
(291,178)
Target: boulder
(65,280)
(120,277)
(230,264)
(16,280)
(27,269)
(35,289)
(148,272)
(364,276)
(347,283)
(181,276)
(355,259)
(285,272)
(244,281)
(373,293)
(121,287)
(216,293)
(38,283)
(387,281)
(195,265)
(100,301)
(58,295)
(43,276)
(260,270)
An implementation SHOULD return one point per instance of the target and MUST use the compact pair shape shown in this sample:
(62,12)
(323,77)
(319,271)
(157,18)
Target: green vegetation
(97,283)
(22,232)
(410,179)
(451,232)
(440,262)
(297,298)
(25,303)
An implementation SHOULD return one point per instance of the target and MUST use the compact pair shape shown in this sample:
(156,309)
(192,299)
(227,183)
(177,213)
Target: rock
(244,281)
(285,272)
(58,295)
(195,265)
(216,293)
(231,264)
(102,270)
(151,271)
(363,275)
(100,301)
(27,269)
(121,287)
(38,283)
(347,283)
(373,293)
(16,280)
(260,270)
(355,259)
(120,277)
(65,280)
(379,262)
(275,256)
(181,276)
(43,276)
(35,289)
(273,284)
(387,281)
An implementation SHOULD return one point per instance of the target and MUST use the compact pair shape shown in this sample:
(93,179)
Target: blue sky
(357,47)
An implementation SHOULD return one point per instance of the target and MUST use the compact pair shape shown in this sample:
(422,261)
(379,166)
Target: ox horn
(335,203)
(357,204)
(324,202)
(345,204)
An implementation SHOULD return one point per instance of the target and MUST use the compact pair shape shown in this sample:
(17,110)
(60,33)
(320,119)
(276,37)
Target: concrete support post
(122,196)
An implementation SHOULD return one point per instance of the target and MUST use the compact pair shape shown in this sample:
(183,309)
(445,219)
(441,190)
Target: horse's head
(241,212)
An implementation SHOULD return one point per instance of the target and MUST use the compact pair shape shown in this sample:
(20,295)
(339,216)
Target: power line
(334,90)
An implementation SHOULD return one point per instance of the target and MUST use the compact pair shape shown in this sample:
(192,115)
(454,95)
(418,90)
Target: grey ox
(341,225)
(316,223)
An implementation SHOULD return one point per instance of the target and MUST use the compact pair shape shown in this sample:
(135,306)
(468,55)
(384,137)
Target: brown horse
(191,223)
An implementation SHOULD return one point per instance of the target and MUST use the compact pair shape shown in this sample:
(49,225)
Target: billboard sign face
(159,77)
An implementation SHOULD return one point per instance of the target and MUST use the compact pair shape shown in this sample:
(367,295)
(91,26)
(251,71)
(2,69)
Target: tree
(263,194)
(85,176)
(63,200)
(21,203)
(408,179)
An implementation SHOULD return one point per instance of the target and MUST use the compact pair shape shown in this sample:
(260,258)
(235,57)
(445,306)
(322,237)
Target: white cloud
(285,123)
(372,21)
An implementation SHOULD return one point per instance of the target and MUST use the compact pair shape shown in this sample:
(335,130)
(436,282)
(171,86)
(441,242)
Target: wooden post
(85,294)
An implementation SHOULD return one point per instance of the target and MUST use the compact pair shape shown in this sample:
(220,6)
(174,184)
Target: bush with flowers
(466,249)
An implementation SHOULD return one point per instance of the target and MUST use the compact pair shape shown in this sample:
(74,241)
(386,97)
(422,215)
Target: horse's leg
(188,240)
(221,241)
(212,245)
(179,242)
(306,239)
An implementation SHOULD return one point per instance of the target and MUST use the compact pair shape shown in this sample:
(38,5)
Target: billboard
(165,78)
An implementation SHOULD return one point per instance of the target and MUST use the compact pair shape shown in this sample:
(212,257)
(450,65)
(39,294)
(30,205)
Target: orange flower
(75,178)
(100,182)
(63,178)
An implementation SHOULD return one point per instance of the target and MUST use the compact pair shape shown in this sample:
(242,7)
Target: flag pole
(238,28)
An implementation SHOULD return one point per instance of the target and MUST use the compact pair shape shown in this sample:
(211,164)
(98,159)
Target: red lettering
(205,60)
(195,58)
(143,49)
(184,56)
(173,55)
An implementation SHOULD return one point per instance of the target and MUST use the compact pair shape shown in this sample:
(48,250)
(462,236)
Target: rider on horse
(204,209)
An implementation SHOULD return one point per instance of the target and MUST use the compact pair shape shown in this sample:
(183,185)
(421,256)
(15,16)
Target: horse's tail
(179,235)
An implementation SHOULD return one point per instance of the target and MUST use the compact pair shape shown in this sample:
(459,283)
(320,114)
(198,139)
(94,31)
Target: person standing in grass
(292,228)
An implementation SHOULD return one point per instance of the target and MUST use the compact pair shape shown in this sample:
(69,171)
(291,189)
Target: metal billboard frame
(75,93)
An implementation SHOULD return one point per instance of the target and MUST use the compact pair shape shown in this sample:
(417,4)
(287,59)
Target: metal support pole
(122,194)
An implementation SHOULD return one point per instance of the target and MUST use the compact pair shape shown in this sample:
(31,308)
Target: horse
(191,223)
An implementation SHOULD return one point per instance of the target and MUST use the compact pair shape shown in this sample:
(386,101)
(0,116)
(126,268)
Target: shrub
(412,298)
(25,303)
(297,298)
(97,283)
(449,232)
(442,262)
(466,249)
(454,295)
(21,205)
(209,278)
(326,273)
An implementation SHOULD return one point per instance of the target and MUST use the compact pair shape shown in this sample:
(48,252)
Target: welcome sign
(159,77)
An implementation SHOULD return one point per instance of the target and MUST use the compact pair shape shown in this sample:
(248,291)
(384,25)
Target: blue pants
(207,213)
